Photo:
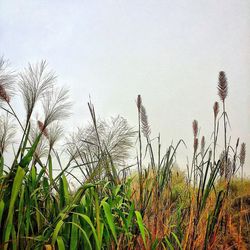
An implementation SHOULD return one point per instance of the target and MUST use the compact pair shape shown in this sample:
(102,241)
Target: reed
(148,204)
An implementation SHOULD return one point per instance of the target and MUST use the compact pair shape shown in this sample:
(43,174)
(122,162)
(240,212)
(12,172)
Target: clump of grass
(153,206)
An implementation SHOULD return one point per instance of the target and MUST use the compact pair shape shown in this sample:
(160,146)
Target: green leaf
(141,226)
(56,231)
(117,189)
(14,238)
(155,244)
(20,211)
(46,185)
(15,190)
(177,240)
(74,233)
(84,235)
(169,244)
(28,157)
(60,243)
(130,215)
(1,210)
(109,218)
(87,219)
(64,191)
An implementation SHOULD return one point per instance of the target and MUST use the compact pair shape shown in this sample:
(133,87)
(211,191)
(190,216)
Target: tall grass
(112,205)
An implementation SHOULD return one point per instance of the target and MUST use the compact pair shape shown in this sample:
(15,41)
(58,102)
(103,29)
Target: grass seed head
(222,86)
(203,145)
(242,153)
(216,109)
(7,81)
(139,102)
(3,94)
(196,142)
(42,128)
(144,122)
(195,128)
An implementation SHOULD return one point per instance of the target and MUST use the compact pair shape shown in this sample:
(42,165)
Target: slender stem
(140,160)
(7,110)
(193,169)
(225,130)
(15,115)
(215,142)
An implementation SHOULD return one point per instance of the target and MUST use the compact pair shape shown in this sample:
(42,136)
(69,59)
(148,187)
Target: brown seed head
(216,109)
(42,128)
(196,142)
(222,163)
(228,169)
(242,153)
(139,102)
(202,145)
(3,94)
(195,128)
(7,81)
(222,86)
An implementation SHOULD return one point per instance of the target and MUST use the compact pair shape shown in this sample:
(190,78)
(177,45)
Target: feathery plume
(115,135)
(42,147)
(56,106)
(55,132)
(7,132)
(3,94)
(35,82)
(144,122)
(7,81)
(222,86)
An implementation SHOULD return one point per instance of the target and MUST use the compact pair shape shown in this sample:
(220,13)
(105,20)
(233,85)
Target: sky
(170,52)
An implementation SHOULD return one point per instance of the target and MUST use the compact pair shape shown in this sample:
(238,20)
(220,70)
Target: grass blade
(109,218)
(141,226)
(15,190)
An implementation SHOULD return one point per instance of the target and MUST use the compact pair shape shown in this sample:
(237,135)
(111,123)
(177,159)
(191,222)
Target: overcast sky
(168,51)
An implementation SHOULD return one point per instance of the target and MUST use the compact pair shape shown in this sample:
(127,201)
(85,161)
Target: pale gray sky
(170,52)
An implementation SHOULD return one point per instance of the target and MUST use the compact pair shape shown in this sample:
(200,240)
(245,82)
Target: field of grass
(151,204)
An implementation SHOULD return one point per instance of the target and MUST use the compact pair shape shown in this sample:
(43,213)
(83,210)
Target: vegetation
(112,205)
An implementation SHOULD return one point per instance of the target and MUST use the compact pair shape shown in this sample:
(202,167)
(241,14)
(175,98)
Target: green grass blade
(1,211)
(109,217)
(60,243)
(56,231)
(177,240)
(64,191)
(87,219)
(15,190)
(73,233)
(169,244)
(28,157)
(141,226)
(84,235)
(14,239)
